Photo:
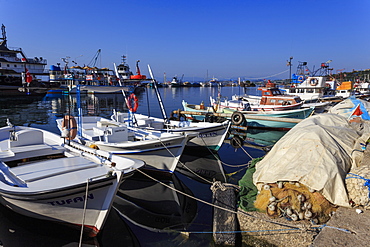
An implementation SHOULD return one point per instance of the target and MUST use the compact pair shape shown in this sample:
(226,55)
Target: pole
(164,115)
(290,70)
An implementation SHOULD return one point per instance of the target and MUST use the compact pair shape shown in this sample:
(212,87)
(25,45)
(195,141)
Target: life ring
(301,78)
(314,81)
(132,102)
(69,123)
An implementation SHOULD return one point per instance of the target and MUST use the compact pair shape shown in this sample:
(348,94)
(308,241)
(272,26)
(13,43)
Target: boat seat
(30,151)
(88,126)
(8,177)
(26,137)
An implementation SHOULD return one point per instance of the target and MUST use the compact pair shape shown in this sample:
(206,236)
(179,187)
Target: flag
(28,76)
(357,111)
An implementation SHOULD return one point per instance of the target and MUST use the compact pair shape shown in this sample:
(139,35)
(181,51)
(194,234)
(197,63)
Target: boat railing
(15,48)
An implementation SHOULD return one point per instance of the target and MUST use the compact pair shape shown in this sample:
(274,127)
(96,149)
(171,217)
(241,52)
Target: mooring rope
(217,158)
(178,160)
(292,227)
(84,213)
(208,203)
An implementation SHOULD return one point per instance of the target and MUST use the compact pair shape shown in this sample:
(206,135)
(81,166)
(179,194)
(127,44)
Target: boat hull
(209,135)
(160,151)
(268,123)
(271,123)
(68,205)
(161,154)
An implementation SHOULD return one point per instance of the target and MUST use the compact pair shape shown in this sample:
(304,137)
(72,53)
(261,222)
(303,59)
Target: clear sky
(225,39)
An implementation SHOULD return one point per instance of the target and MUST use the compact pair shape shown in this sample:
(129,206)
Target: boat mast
(158,96)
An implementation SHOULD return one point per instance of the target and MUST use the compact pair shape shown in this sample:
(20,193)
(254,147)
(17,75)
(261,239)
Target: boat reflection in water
(155,205)
(264,137)
(204,167)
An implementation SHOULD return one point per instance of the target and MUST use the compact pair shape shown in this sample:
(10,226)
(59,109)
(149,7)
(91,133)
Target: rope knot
(217,185)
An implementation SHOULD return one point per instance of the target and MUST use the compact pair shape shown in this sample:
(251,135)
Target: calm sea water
(145,212)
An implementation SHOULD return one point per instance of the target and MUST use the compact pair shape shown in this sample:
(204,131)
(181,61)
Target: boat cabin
(271,95)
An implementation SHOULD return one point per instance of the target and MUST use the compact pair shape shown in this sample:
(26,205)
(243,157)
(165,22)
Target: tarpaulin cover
(347,107)
(317,153)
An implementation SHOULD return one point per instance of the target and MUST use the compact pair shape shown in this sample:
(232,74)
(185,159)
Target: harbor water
(149,210)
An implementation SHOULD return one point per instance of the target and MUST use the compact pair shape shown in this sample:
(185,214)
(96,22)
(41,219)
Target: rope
(178,160)
(217,158)
(337,228)
(268,76)
(205,202)
(216,184)
(84,213)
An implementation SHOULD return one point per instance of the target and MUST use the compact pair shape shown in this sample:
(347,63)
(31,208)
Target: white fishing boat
(313,86)
(44,178)
(209,135)
(161,151)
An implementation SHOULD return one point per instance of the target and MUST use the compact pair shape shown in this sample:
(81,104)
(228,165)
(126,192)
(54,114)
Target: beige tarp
(317,153)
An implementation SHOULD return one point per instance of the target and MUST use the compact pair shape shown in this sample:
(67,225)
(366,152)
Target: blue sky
(224,39)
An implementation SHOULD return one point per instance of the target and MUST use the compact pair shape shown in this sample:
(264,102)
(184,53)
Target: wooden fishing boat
(272,99)
(280,120)
(45,178)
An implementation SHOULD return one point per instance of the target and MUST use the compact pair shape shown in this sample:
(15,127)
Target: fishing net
(293,201)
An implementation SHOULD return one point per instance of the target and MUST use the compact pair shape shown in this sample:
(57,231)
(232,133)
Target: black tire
(237,118)
(209,118)
(236,142)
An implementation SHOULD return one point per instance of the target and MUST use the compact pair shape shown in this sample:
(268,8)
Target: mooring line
(217,158)
(84,213)
(208,203)
(178,160)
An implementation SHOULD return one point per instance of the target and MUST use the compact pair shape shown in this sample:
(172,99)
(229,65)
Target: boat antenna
(4,35)
(158,95)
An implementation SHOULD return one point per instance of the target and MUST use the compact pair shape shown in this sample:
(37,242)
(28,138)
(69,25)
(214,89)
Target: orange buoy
(69,123)
(132,102)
